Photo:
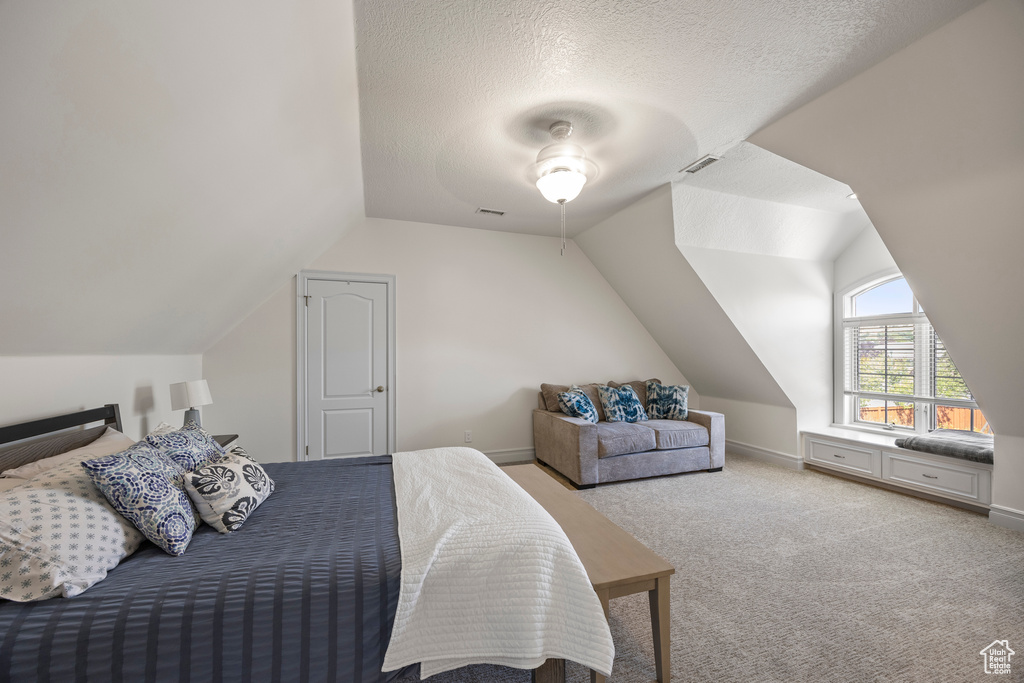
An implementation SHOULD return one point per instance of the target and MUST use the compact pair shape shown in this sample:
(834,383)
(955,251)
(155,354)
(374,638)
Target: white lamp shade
(561,184)
(185,395)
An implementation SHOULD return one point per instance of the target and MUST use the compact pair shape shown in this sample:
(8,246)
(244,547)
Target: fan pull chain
(561,202)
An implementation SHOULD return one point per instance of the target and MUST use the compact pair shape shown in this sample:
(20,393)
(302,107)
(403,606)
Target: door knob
(380,389)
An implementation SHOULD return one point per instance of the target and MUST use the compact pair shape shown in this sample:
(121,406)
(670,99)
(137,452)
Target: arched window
(895,372)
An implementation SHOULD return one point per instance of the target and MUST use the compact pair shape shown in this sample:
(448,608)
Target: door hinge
(306,297)
(307,450)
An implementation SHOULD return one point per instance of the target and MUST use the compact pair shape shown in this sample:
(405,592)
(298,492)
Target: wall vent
(700,164)
(490,212)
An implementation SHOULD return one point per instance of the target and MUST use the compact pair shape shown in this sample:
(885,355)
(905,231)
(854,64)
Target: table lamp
(188,396)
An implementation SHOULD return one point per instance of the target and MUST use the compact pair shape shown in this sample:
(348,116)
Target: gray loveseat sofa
(589,454)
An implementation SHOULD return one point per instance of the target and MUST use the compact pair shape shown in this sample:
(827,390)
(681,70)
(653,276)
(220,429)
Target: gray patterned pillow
(59,536)
(621,404)
(241,452)
(227,491)
(667,401)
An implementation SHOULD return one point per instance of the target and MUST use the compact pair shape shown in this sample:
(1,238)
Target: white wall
(42,386)
(483,318)
(1006,482)
(181,160)
(932,142)
(783,308)
(766,427)
(865,257)
(636,252)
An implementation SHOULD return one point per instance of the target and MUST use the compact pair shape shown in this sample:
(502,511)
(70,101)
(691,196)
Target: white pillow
(162,428)
(111,441)
(59,536)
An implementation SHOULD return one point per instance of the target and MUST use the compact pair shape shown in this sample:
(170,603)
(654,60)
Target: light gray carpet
(799,576)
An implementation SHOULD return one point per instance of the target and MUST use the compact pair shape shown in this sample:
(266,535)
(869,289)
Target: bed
(306,590)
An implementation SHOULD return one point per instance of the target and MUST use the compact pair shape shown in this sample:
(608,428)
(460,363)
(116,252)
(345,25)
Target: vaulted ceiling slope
(164,167)
(931,139)
(456,97)
(635,251)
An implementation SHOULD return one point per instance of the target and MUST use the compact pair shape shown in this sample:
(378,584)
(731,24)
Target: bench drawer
(863,461)
(950,479)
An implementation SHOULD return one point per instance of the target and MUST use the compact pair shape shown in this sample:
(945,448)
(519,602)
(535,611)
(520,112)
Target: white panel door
(346,368)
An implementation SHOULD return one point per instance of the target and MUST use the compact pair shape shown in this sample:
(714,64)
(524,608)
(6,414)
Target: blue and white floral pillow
(575,403)
(667,401)
(147,488)
(189,447)
(227,491)
(59,536)
(621,404)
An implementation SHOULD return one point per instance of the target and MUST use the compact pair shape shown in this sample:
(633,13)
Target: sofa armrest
(568,444)
(715,424)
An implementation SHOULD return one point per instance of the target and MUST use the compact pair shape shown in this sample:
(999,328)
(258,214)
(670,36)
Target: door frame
(301,288)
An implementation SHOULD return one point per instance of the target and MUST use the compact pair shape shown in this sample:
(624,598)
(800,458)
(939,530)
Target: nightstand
(225,440)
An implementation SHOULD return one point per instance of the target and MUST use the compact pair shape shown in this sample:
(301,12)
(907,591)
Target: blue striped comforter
(305,591)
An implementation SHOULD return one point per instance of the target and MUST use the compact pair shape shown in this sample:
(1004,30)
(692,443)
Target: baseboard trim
(1006,517)
(507,456)
(793,462)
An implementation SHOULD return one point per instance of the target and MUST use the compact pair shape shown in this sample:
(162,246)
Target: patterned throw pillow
(575,403)
(59,536)
(240,452)
(667,401)
(189,447)
(621,404)
(227,491)
(147,488)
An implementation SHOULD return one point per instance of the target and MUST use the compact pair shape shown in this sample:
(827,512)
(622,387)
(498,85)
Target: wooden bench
(616,563)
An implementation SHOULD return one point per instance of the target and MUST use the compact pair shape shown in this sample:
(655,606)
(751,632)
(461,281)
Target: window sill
(877,438)
(879,431)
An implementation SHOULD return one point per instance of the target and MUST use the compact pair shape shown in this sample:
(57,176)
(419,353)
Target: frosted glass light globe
(561,184)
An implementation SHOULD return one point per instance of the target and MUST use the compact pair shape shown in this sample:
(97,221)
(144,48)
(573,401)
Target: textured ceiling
(749,171)
(456,97)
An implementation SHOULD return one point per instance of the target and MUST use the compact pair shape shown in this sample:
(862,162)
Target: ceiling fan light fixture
(562,169)
(561,185)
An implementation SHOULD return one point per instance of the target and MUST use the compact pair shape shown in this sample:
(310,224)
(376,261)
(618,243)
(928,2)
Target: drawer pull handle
(929,476)
(836,455)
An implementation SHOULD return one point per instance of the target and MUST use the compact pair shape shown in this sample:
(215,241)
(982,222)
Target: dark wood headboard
(57,435)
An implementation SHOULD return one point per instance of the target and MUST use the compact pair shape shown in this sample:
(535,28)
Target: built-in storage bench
(876,459)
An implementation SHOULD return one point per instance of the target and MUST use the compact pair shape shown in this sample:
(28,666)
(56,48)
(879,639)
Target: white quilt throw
(487,575)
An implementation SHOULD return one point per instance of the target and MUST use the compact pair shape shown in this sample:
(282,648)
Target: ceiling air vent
(700,164)
(490,212)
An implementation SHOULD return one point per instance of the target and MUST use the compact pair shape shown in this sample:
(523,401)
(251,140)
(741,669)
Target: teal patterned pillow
(147,488)
(189,447)
(621,404)
(575,403)
(667,401)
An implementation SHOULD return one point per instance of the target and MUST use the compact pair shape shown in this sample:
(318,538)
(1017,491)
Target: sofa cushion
(671,434)
(550,393)
(575,403)
(666,401)
(621,404)
(639,386)
(619,438)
